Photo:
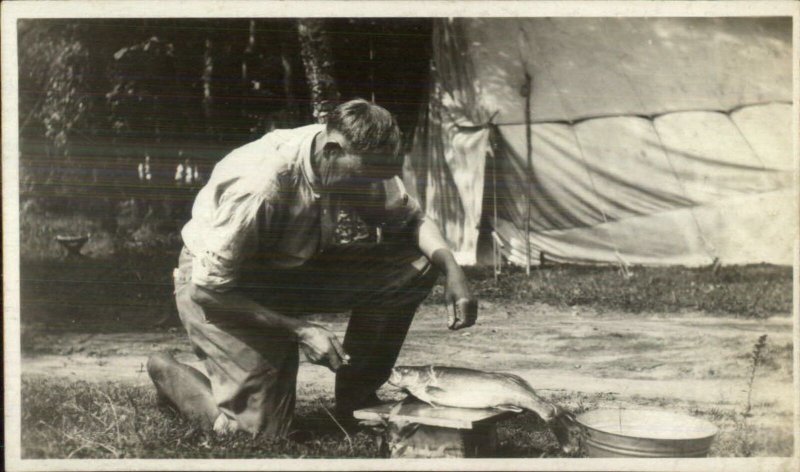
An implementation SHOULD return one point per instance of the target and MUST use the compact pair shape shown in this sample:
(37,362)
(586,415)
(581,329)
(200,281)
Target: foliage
(178,89)
(140,80)
(52,67)
(55,103)
(757,290)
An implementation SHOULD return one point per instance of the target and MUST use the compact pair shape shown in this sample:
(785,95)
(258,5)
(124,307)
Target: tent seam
(646,116)
(677,208)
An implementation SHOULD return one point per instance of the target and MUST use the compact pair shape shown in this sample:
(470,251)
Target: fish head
(409,377)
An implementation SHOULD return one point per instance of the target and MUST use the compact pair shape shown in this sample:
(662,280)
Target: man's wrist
(273,319)
(444,260)
(298,327)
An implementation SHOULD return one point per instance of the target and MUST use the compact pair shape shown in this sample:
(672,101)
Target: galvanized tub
(645,433)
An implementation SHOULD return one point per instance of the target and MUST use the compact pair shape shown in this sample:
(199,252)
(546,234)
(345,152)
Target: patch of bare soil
(634,360)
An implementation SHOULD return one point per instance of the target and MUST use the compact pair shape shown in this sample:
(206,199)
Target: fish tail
(546,410)
(533,402)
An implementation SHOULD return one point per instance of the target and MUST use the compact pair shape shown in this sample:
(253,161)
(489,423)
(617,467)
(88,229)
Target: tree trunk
(249,52)
(317,55)
(208,71)
(286,64)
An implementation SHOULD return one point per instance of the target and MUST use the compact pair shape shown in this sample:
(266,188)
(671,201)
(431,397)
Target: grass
(752,291)
(130,291)
(110,420)
(743,436)
(124,282)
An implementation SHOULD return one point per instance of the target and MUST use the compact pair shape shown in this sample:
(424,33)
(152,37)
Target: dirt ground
(686,361)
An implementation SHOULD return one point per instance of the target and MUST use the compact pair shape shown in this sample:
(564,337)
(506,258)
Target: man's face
(338,164)
(346,178)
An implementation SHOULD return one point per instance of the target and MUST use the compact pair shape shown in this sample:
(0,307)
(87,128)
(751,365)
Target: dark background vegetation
(97,95)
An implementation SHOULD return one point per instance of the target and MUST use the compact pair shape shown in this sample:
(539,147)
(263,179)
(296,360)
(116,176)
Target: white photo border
(12,11)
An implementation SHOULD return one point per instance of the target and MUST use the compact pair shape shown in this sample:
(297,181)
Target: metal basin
(645,433)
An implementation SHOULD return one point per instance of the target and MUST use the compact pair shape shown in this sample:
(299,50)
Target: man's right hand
(322,347)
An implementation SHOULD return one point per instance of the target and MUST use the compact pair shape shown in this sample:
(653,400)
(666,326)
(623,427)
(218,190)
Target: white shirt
(260,201)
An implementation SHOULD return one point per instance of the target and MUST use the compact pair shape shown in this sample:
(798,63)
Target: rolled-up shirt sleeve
(228,237)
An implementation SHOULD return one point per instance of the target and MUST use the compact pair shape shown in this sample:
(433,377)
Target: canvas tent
(652,140)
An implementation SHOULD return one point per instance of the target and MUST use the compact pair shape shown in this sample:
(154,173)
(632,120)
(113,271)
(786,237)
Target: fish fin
(513,408)
(512,378)
(429,403)
(423,395)
(431,390)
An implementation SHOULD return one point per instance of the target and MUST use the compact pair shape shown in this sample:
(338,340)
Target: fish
(470,388)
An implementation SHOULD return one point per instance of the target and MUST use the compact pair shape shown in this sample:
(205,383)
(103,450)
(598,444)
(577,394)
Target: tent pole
(529,148)
(495,247)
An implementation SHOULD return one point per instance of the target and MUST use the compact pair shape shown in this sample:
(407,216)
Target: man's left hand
(462,307)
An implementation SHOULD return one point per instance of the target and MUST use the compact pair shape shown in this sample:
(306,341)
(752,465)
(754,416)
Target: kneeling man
(258,252)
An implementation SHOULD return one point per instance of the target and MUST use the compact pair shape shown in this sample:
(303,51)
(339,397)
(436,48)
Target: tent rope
(729,115)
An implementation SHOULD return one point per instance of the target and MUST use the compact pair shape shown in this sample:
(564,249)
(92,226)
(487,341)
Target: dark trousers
(381,284)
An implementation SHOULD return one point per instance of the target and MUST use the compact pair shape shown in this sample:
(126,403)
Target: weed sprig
(756,359)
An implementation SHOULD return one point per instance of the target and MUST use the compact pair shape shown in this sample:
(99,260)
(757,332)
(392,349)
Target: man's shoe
(348,409)
(349,422)
(224,425)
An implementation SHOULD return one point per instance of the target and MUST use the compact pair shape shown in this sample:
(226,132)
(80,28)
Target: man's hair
(371,131)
